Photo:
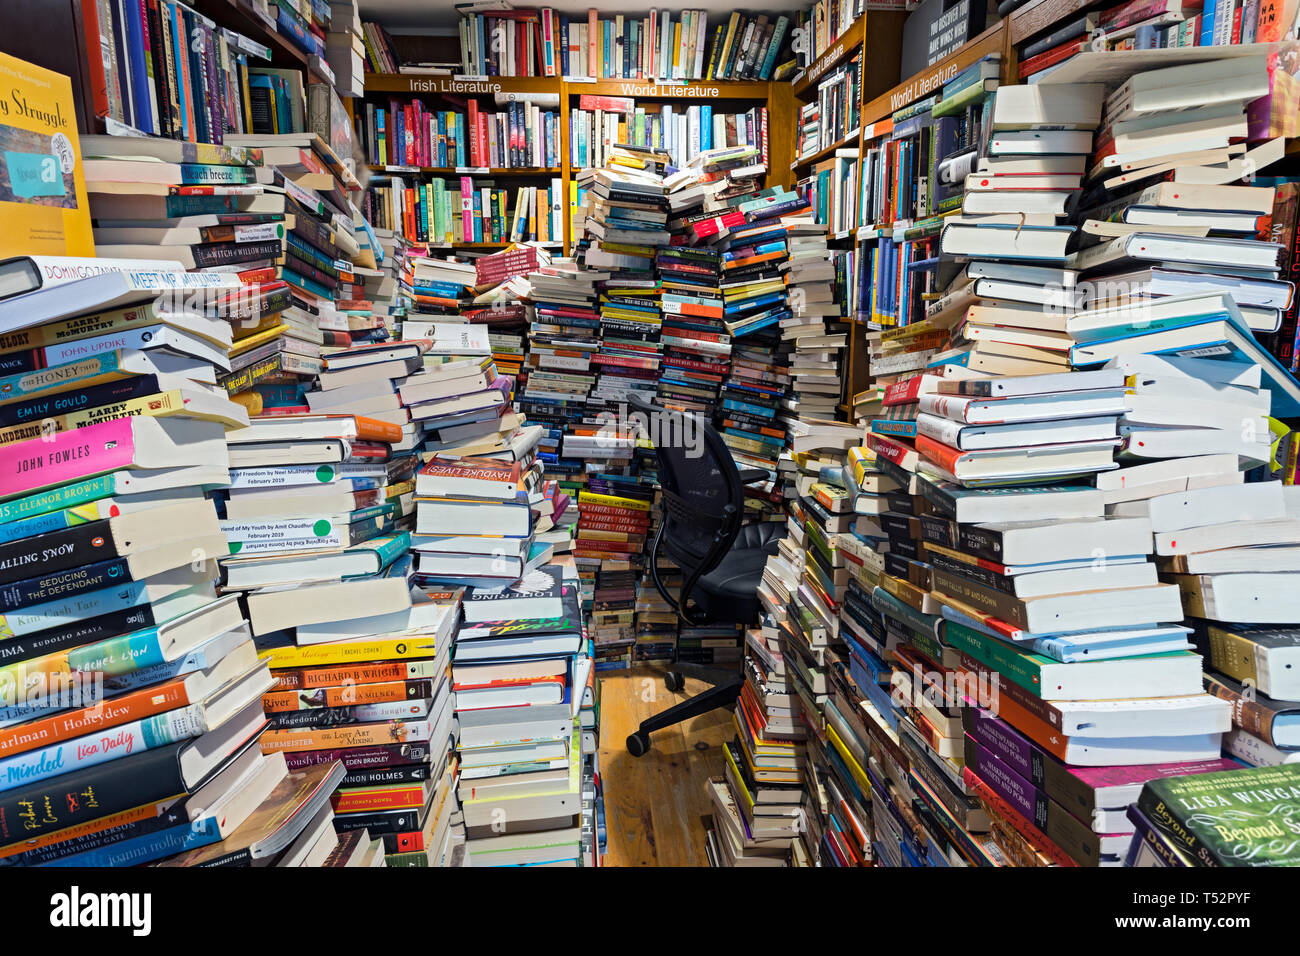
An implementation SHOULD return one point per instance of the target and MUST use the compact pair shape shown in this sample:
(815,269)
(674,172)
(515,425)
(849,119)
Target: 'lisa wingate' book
(42,190)
(1236,818)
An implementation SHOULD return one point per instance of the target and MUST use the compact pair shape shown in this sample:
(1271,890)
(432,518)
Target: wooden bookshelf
(447,84)
(239,16)
(845,45)
(1040,14)
(852,139)
(924,83)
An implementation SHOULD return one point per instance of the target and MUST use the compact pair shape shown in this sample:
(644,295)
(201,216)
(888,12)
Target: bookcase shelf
(694,90)
(1040,14)
(927,81)
(239,16)
(419,84)
(845,45)
(826,153)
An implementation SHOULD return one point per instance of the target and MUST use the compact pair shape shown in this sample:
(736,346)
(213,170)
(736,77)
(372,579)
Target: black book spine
(381,821)
(231,253)
(35,409)
(414,773)
(76,634)
(91,793)
(49,587)
(57,550)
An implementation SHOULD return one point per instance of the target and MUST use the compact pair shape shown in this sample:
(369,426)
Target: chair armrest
(749,476)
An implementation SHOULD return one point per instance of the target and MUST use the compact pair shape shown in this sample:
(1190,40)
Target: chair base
(722,694)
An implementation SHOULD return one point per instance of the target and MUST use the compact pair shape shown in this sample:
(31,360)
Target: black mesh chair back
(703,499)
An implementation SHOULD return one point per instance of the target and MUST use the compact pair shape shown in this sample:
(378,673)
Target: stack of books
(758,813)
(815,327)
(520,679)
(1165,213)
(133,715)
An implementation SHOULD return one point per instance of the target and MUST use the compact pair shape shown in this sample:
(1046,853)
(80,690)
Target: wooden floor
(654,804)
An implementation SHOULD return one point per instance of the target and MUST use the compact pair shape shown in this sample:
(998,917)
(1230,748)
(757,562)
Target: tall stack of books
(520,680)
(759,812)
(158,753)
(815,325)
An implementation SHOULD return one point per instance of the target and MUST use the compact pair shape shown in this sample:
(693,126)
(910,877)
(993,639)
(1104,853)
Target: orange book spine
(945,456)
(372,429)
(306,677)
(100,716)
(388,798)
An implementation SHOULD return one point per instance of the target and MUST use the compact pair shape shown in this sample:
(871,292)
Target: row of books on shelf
(544,42)
(521,135)
(684,133)
(1146,26)
(469,210)
(834,114)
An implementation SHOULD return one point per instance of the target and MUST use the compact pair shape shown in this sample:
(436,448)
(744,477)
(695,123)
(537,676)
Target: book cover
(42,189)
(1237,818)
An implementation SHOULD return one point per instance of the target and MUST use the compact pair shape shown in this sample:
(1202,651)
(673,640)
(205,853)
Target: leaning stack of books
(132,716)
(520,680)
(1166,213)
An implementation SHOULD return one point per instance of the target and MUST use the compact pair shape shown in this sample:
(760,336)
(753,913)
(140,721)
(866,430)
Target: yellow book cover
(613,501)
(677,47)
(352,652)
(257,338)
(42,190)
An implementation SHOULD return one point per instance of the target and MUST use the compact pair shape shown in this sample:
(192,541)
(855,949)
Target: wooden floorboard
(654,804)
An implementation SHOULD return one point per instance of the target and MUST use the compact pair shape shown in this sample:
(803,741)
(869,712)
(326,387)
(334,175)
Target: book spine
(68,756)
(111,712)
(358,759)
(87,794)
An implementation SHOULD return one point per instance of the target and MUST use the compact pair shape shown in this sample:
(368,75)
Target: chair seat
(729,591)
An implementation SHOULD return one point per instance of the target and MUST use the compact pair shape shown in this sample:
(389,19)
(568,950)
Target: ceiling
(440,16)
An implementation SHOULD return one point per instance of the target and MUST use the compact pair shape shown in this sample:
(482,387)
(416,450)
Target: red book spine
(945,456)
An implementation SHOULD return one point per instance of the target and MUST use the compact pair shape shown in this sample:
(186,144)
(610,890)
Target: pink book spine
(467,207)
(66,456)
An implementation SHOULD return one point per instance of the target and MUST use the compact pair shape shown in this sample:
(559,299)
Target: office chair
(721,558)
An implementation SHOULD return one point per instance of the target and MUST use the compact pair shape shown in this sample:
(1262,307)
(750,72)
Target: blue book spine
(706,127)
(462,139)
(564,46)
(148,847)
(1207,23)
(138,78)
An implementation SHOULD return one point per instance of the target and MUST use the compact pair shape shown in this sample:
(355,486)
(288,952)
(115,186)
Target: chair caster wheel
(638,745)
(674,681)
